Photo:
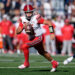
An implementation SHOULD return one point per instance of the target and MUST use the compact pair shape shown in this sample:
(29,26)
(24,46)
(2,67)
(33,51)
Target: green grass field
(38,65)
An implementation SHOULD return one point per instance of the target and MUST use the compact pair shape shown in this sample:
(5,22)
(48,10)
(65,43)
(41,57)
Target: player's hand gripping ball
(29,29)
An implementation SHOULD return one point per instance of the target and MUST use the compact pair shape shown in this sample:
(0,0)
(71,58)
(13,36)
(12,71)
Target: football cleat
(54,66)
(53,70)
(68,60)
(23,66)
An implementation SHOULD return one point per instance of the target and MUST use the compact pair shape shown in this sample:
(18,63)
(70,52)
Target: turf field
(39,65)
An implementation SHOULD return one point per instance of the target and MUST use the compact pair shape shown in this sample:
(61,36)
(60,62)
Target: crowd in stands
(60,12)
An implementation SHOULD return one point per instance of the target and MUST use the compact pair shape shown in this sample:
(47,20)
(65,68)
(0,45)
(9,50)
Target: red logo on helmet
(28,8)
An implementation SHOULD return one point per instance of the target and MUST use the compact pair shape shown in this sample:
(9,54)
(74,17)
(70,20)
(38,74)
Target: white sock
(18,51)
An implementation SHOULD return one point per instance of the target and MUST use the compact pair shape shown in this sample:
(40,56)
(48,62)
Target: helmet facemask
(29,15)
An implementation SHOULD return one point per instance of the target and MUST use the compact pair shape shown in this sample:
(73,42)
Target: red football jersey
(67,32)
(5,27)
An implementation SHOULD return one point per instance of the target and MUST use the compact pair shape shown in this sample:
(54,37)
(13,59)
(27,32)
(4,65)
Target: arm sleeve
(40,21)
(21,25)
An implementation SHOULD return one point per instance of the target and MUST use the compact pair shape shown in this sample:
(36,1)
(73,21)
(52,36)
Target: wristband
(51,29)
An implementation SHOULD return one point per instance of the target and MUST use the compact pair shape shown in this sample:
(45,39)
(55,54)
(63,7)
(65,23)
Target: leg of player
(42,52)
(26,55)
(68,60)
(26,62)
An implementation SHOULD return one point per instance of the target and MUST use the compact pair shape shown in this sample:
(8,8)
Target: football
(29,29)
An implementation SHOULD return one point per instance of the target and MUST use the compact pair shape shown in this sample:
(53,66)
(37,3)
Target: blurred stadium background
(55,10)
(11,56)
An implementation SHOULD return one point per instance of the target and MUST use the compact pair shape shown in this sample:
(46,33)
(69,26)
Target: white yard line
(6,60)
(39,67)
(31,61)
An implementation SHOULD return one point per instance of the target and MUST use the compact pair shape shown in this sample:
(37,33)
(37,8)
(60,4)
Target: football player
(31,25)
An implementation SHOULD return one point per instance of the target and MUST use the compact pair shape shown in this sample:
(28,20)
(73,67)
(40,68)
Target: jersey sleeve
(40,19)
(21,25)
